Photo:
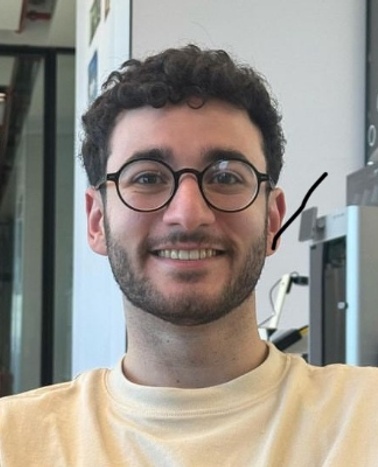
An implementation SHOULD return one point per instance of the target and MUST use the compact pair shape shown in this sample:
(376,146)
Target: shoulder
(294,366)
(342,373)
(61,396)
(37,426)
(337,384)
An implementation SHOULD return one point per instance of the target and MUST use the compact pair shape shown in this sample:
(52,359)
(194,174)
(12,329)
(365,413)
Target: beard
(187,309)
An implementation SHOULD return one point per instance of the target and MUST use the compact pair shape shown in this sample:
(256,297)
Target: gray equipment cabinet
(344,287)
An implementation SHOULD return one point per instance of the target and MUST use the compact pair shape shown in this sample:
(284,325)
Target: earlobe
(276,213)
(95,221)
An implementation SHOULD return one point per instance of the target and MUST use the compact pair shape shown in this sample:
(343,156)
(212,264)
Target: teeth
(187,255)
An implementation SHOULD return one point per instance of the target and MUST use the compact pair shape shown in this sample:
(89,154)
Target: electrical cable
(295,279)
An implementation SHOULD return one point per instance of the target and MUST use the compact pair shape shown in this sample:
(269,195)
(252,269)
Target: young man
(183,152)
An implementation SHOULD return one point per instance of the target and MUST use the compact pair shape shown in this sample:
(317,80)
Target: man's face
(186,263)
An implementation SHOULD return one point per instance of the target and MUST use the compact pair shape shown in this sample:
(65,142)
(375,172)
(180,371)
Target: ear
(276,213)
(95,221)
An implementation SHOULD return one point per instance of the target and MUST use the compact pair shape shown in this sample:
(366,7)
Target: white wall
(313,54)
(98,321)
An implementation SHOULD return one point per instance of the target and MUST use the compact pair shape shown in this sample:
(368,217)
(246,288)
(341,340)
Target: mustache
(180,237)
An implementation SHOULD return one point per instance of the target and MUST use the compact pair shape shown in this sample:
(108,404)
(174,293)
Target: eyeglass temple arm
(112,177)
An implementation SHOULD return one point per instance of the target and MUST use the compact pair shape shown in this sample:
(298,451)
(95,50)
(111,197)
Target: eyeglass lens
(147,185)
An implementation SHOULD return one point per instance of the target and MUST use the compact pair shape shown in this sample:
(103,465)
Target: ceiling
(11,14)
(46,23)
(15,13)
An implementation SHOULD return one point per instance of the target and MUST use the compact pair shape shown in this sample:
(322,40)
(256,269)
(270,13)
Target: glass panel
(21,195)
(23,251)
(64,217)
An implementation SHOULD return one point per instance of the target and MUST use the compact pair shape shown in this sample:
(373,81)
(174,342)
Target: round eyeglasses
(147,185)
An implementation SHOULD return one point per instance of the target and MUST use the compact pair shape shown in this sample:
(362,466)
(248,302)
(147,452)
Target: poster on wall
(92,78)
(95,18)
(107,7)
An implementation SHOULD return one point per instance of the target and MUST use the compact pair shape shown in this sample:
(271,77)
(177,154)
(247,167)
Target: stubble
(187,309)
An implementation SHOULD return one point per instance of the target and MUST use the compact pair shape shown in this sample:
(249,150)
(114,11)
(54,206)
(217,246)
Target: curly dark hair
(175,76)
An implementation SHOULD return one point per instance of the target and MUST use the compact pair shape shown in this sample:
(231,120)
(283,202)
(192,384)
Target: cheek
(130,228)
(247,224)
(237,231)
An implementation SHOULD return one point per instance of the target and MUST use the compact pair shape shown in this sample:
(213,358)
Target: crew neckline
(166,401)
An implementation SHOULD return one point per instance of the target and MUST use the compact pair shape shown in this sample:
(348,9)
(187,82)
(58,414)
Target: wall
(313,54)
(98,322)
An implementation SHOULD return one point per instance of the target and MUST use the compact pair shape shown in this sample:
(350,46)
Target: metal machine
(343,285)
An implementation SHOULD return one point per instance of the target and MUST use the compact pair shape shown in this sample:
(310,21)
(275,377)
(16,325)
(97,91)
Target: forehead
(186,133)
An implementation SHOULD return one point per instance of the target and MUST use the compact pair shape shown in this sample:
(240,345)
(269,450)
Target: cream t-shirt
(284,413)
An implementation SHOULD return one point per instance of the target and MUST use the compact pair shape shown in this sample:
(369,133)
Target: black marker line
(299,210)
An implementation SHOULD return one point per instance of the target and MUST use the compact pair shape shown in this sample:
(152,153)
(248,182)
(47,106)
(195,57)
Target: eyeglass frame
(114,177)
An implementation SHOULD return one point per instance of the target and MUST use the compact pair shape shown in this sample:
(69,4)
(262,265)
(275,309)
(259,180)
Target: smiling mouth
(188,255)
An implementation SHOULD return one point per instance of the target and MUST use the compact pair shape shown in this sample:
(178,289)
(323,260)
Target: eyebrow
(158,154)
(216,154)
(210,155)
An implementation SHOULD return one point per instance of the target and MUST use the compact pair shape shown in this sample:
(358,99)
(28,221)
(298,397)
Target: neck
(167,355)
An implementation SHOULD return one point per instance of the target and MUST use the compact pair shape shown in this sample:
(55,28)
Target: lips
(188,254)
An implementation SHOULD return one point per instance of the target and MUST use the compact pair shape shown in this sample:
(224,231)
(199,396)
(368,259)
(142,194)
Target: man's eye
(148,179)
(225,178)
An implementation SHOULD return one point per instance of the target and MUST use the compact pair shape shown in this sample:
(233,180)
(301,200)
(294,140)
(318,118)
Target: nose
(188,207)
